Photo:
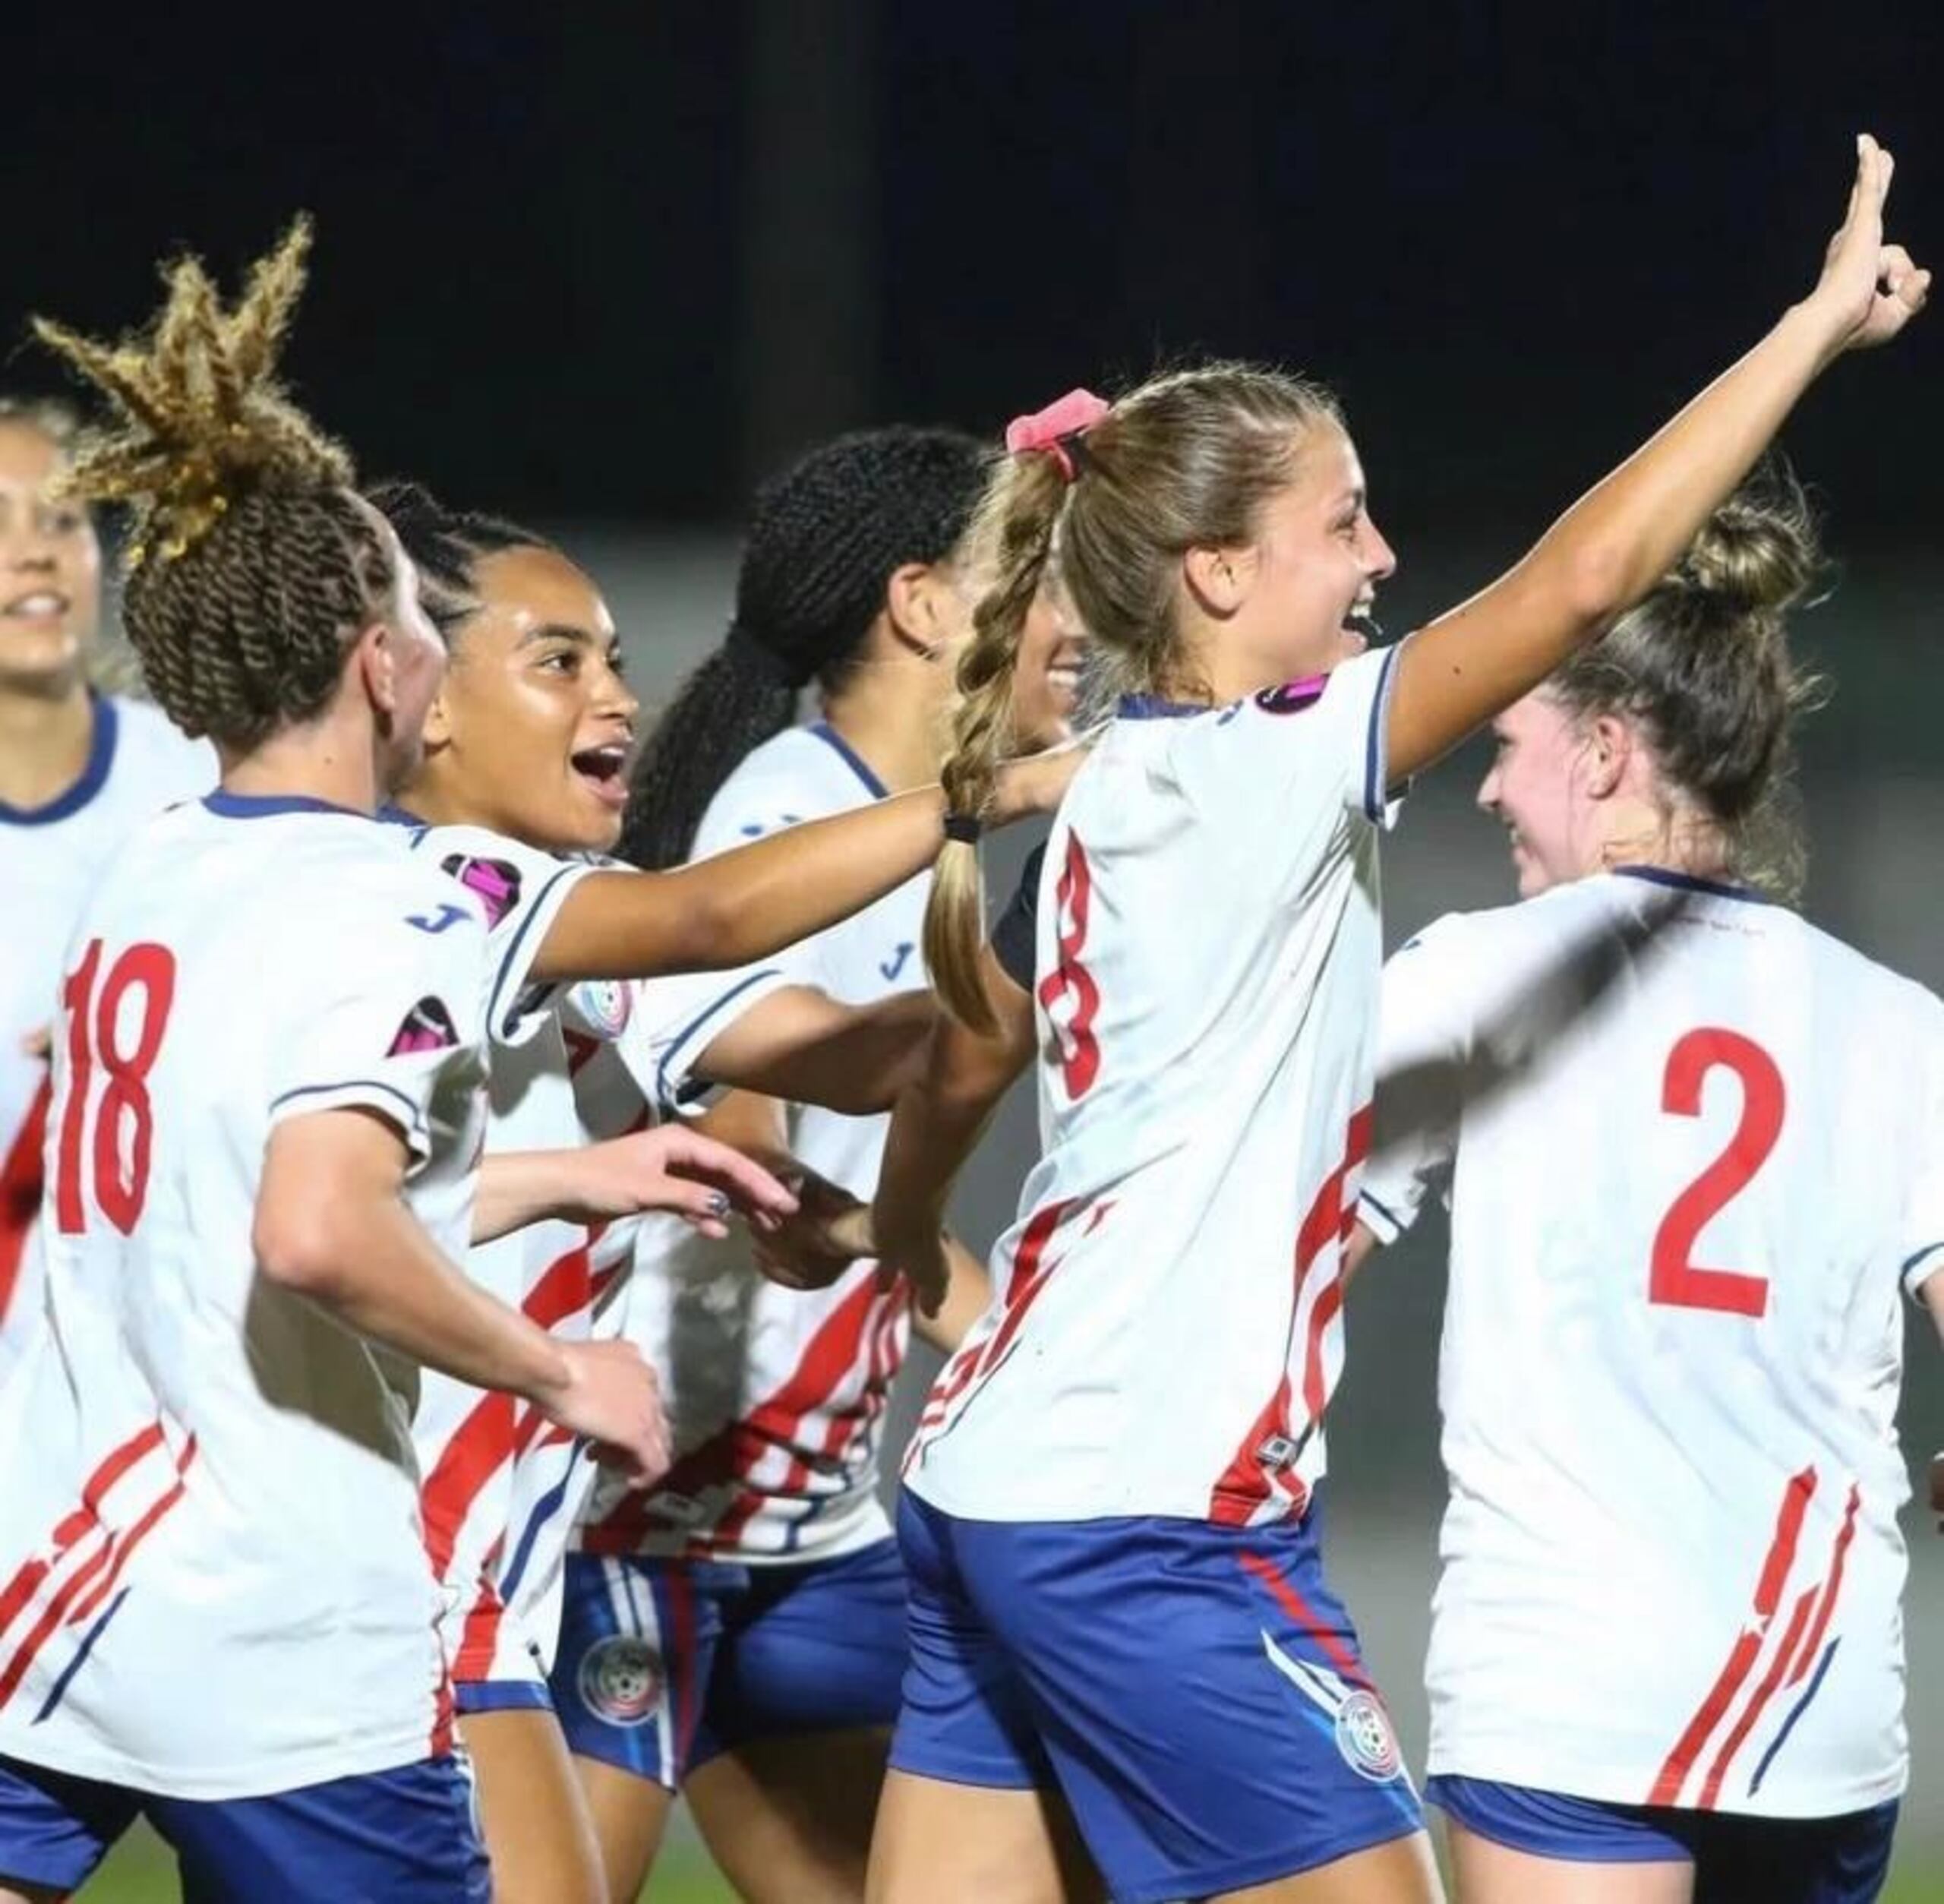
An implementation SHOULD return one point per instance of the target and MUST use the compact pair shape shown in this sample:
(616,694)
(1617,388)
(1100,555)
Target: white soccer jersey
(776,1396)
(50,857)
(503,1486)
(1689,1143)
(471,1442)
(213,1582)
(1166,1331)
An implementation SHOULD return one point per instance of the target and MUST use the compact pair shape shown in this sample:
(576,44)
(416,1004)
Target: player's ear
(1610,745)
(1218,578)
(374,655)
(918,601)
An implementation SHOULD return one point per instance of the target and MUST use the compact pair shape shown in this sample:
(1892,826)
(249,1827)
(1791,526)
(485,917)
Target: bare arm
(1363,1244)
(750,904)
(803,1046)
(936,1126)
(332,1226)
(968,1294)
(669,1168)
(1619,539)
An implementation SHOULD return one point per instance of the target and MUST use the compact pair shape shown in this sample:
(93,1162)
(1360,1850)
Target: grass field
(140,1873)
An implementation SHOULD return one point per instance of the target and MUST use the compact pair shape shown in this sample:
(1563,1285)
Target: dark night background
(603,265)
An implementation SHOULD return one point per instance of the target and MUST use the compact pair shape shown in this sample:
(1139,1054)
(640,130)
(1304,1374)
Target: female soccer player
(1115,1581)
(215,1601)
(79,770)
(525,747)
(757,1594)
(1666,1657)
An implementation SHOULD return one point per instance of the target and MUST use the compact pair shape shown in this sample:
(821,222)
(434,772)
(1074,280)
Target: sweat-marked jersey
(1691,1146)
(776,1396)
(213,1581)
(50,857)
(1165,1328)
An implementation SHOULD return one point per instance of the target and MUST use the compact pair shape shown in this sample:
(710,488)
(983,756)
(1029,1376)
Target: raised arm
(748,904)
(1614,545)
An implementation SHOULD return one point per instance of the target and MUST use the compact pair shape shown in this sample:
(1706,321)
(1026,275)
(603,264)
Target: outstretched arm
(748,904)
(1619,539)
(801,1044)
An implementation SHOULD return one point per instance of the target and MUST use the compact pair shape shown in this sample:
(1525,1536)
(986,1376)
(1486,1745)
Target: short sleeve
(521,890)
(392,1022)
(1921,1246)
(1424,1022)
(1013,938)
(1309,746)
(659,1027)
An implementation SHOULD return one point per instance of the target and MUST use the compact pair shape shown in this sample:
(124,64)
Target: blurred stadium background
(602,270)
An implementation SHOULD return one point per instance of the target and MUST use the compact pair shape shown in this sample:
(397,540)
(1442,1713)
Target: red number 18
(93,1027)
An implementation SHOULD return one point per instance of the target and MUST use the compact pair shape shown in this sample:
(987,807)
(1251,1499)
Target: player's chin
(590,818)
(38,656)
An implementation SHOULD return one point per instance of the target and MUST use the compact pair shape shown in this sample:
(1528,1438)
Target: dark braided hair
(446,546)
(825,538)
(251,565)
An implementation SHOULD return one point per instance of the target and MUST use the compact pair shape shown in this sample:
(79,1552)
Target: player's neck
(330,759)
(888,717)
(1674,841)
(44,740)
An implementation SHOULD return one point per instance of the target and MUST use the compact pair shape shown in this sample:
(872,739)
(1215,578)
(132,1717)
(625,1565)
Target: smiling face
(50,567)
(1299,597)
(1045,679)
(531,734)
(1539,788)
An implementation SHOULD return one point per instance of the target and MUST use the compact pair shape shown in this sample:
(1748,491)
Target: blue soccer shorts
(1196,1692)
(663,1664)
(406,1836)
(1780,1861)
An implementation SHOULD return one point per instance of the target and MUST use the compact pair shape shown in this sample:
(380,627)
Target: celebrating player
(1702,1309)
(526,744)
(1114,1576)
(216,1606)
(79,769)
(757,1595)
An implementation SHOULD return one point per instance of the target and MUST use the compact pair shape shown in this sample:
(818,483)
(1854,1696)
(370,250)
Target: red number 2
(120,1189)
(1071,997)
(1675,1278)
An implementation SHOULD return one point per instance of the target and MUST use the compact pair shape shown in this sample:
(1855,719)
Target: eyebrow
(560,631)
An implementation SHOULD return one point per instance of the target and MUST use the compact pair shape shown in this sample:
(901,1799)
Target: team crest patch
(1363,1737)
(493,883)
(427,1026)
(604,1005)
(621,1680)
(1291,697)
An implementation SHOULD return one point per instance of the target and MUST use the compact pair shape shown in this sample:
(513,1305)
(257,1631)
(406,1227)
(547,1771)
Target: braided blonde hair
(251,564)
(1186,461)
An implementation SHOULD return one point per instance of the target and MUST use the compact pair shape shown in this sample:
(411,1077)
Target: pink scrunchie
(1046,431)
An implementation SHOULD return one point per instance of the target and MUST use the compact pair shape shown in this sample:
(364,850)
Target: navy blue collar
(94,771)
(228,806)
(1154,707)
(1693,882)
(392,814)
(852,758)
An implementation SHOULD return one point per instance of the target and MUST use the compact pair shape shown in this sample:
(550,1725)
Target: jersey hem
(1611,1786)
(260,1780)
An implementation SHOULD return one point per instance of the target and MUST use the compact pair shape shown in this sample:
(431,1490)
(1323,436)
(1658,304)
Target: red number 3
(120,1188)
(1675,1278)
(1070,984)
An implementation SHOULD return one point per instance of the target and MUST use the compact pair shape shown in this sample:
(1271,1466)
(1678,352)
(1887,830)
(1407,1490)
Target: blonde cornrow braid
(250,563)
